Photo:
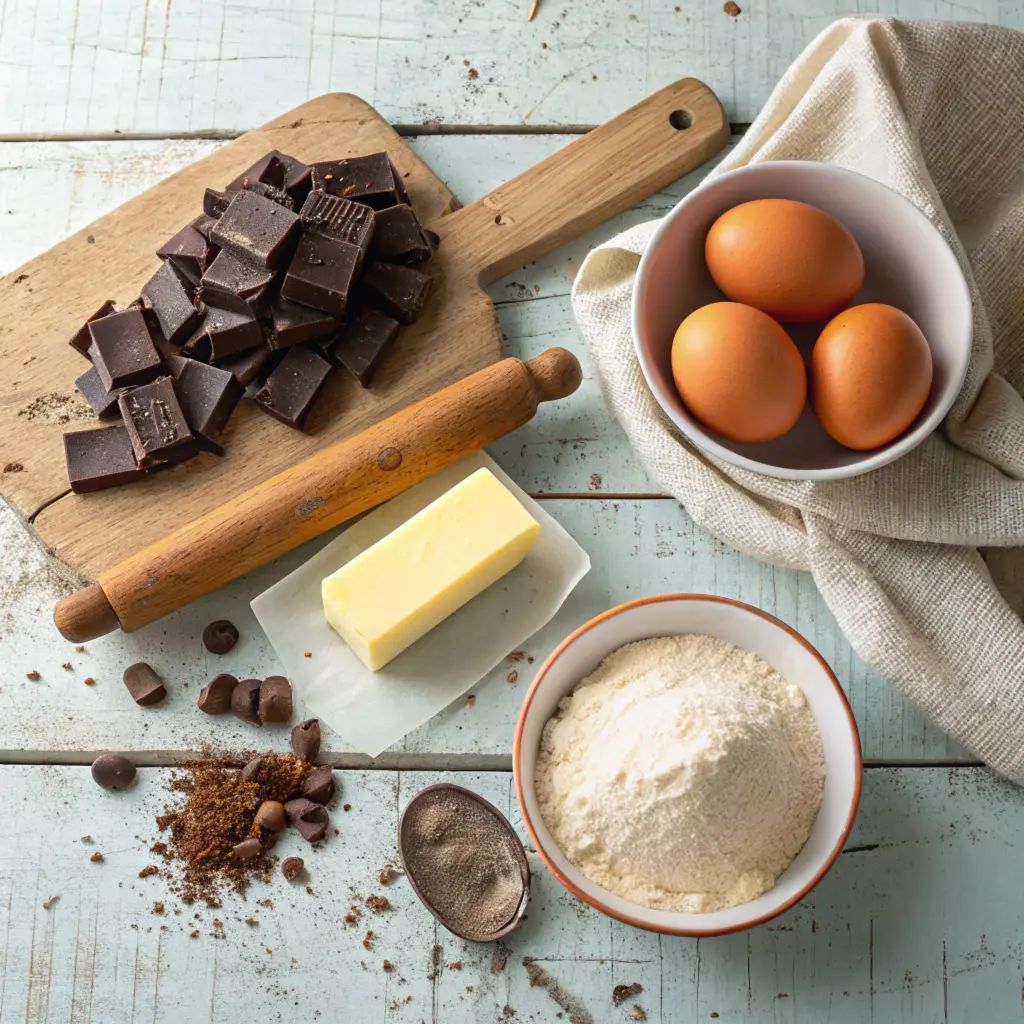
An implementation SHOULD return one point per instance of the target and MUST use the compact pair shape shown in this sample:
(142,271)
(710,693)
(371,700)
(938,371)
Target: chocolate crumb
(515,656)
(14,467)
(639,1014)
(473,74)
(33,675)
(455,965)
(85,839)
(470,700)
(50,902)
(90,239)
(388,966)
(513,676)
(68,667)
(80,649)
(388,874)
(623,992)
(146,872)
(346,807)
(251,921)
(378,904)
(96,857)
(308,654)
(158,908)
(89,681)
(368,941)
(732,9)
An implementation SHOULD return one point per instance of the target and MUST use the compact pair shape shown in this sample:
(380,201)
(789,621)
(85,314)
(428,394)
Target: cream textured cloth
(935,110)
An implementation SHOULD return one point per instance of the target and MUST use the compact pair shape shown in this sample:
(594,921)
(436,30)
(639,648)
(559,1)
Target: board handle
(317,494)
(599,175)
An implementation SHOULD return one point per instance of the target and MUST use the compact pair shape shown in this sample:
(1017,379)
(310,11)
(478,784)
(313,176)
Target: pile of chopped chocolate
(289,271)
(225,821)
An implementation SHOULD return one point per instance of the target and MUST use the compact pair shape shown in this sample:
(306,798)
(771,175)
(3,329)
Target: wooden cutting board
(43,303)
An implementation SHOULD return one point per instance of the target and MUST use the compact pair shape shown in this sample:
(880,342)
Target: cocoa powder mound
(212,810)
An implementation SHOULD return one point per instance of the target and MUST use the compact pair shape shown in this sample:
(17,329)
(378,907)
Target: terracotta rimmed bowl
(753,630)
(907,264)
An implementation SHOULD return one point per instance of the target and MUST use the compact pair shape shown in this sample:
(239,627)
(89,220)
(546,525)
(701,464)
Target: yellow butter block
(395,592)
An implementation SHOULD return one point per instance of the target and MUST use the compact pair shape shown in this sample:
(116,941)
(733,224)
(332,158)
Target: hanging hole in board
(680,120)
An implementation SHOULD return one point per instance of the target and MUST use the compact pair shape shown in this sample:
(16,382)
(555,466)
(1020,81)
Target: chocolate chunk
(290,391)
(433,238)
(252,768)
(189,251)
(247,366)
(245,700)
(204,225)
(398,237)
(208,396)
(318,785)
(309,819)
(156,424)
(275,195)
(82,339)
(100,458)
(232,283)
(171,304)
(255,229)
(294,323)
(186,270)
(292,868)
(247,849)
(113,771)
(372,180)
(364,343)
(275,700)
(322,272)
(220,636)
(198,344)
(144,684)
(103,402)
(399,291)
(268,170)
(215,696)
(305,739)
(270,816)
(338,218)
(231,332)
(215,203)
(122,350)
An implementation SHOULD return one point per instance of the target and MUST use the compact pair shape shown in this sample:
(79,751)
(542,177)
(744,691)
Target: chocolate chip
(247,849)
(306,739)
(292,868)
(309,819)
(220,636)
(245,700)
(319,784)
(275,699)
(249,772)
(215,696)
(113,771)
(144,684)
(270,815)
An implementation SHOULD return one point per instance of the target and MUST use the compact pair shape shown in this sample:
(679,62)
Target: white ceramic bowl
(747,627)
(907,264)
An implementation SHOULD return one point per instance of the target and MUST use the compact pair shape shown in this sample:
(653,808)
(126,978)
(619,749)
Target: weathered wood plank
(85,66)
(637,547)
(887,935)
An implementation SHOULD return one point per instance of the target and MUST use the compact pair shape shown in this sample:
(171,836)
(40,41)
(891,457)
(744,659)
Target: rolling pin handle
(556,374)
(85,615)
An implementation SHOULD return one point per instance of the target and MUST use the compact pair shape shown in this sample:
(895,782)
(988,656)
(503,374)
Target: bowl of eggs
(801,320)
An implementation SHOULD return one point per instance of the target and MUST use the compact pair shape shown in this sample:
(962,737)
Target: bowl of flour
(687,764)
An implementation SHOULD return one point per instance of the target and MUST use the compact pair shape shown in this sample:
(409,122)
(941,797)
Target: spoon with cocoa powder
(465,862)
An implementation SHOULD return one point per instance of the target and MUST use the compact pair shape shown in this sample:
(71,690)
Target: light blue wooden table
(919,920)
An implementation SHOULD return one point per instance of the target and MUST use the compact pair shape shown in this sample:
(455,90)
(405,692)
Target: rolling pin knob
(556,374)
(85,615)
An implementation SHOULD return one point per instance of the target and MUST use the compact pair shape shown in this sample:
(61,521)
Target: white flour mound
(683,774)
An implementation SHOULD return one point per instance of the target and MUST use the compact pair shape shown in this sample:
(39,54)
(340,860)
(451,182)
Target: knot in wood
(389,458)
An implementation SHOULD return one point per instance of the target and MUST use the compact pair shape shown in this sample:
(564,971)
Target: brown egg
(787,259)
(739,372)
(871,371)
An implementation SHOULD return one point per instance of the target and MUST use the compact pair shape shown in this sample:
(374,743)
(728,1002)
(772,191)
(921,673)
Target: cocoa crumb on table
(158,908)
(620,993)
(512,677)
(89,681)
(80,649)
(378,904)
(50,902)
(455,965)
(194,935)
(146,872)
(68,667)
(368,941)
(388,966)
(33,675)
(388,874)
(96,857)
(14,467)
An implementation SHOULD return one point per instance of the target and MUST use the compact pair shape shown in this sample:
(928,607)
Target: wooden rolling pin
(317,494)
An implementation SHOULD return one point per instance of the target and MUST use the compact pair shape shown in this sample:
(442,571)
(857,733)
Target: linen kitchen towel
(935,110)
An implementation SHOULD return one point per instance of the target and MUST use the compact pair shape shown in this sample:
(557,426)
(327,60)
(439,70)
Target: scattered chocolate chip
(144,684)
(113,771)
(732,9)
(306,739)
(292,868)
(220,637)
(89,681)
(309,819)
(245,700)
(270,815)
(247,849)
(96,857)
(33,675)
(318,785)
(215,696)
(275,700)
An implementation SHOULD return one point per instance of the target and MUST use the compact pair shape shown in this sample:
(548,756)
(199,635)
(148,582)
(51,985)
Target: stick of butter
(395,592)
